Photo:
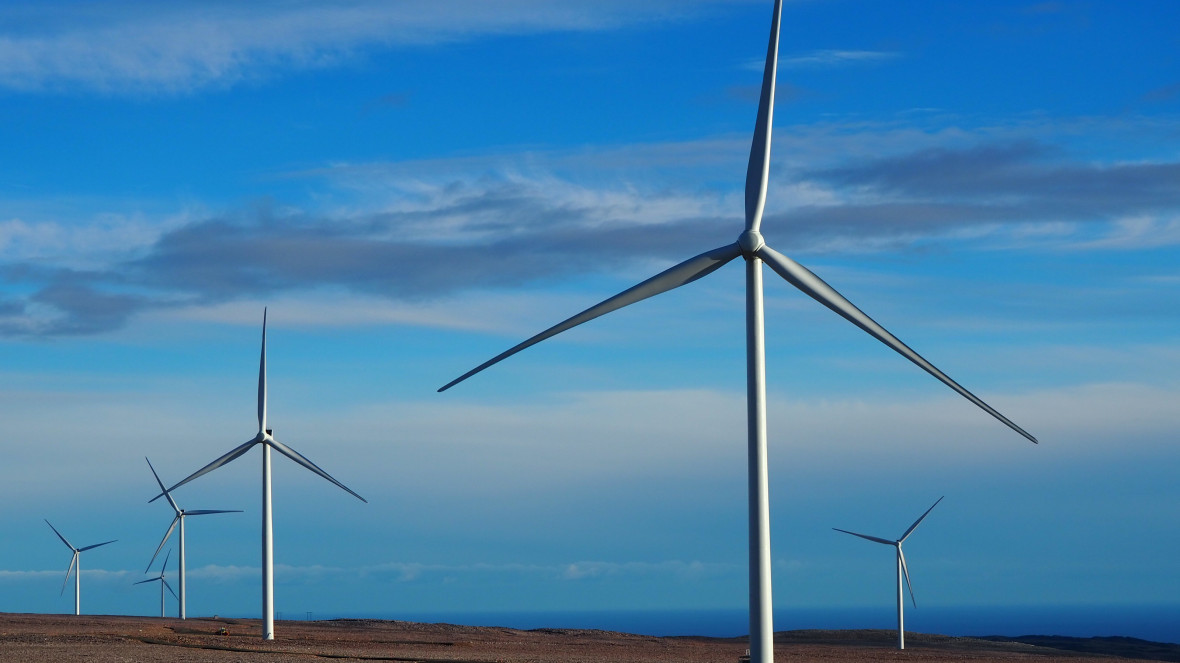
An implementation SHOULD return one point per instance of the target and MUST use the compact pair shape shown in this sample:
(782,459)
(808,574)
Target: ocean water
(1160,623)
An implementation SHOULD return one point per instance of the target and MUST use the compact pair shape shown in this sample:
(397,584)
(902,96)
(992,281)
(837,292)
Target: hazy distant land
(34,638)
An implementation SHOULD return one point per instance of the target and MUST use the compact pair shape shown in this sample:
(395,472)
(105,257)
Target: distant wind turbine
(75,567)
(163,583)
(267,442)
(902,570)
(179,518)
(753,249)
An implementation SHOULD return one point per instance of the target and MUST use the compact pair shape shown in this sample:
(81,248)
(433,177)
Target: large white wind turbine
(753,249)
(179,518)
(163,583)
(902,570)
(266,440)
(75,567)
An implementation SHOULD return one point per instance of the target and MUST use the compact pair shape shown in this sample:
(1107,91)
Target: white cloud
(414,571)
(141,46)
(835,58)
(696,569)
(506,313)
(88,244)
(1136,232)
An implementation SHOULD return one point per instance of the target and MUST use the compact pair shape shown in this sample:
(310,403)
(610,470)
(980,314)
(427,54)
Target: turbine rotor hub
(750,241)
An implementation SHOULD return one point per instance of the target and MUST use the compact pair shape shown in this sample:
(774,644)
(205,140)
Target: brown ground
(37,638)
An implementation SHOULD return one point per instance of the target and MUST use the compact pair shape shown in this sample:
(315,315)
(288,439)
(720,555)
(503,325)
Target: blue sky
(414,186)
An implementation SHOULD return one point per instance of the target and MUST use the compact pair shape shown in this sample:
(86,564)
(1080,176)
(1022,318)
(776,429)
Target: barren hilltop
(35,638)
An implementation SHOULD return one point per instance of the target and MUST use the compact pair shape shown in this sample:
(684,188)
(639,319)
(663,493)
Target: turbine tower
(163,583)
(266,440)
(751,247)
(75,567)
(902,570)
(179,518)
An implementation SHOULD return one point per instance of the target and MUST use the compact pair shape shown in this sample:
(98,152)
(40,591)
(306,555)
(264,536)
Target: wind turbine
(179,518)
(902,570)
(266,440)
(75,567)
(163,583)
(753,249)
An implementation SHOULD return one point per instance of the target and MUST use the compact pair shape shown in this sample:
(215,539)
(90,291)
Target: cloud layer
(421,232)
(136,46)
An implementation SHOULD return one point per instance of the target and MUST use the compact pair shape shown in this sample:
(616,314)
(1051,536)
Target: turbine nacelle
(750,242)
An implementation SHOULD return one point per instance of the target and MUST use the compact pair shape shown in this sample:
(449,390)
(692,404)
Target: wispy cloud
(401,571)
(835,58)
(138,46)
(1138,232)
(95,574)
(1020,182)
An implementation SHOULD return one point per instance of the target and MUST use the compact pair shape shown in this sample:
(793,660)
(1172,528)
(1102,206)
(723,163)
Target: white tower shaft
(900,604)
(761,598)
(78,585)
(268,575)
(181,610)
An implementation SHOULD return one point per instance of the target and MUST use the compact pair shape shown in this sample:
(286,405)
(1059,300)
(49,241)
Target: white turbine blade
(232,455)
(866,536)
(169,588)
(96,545)
(814,287)
(916,522)
(905,570)
(73,562)
(298,458)
(205,512)
(162,488)
(686,272)
(141,582)
(164,567)
(758,170)
(63,539)
(164,540)
(262,380)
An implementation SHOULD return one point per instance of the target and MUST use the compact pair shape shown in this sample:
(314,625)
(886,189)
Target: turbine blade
(814,287)
(906,571)
(169,588)
(165,566)
(686,272)
(73,562)
(205,512)
(759,167)
(162,488)
(298,458)
(96,545)
(162,542)
(919,520)
(141,582)
(232,455)
(262,380)
(63,539)
(866,536)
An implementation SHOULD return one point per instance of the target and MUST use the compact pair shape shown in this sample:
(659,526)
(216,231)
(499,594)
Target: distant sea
(1160,623)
